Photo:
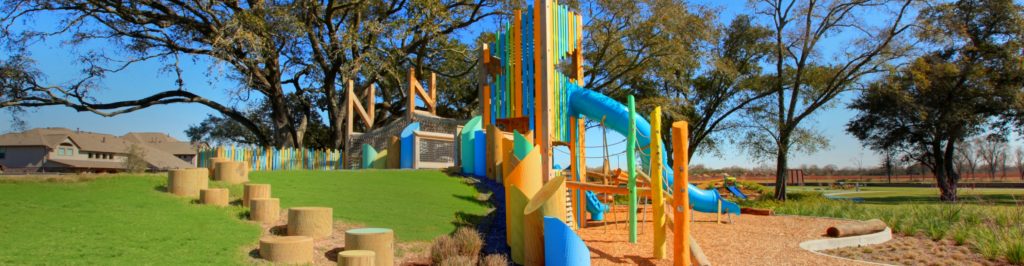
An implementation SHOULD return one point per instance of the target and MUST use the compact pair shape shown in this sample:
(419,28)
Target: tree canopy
(969,83)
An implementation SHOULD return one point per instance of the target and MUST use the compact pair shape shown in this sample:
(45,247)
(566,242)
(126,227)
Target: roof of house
(158,149)
(89,164)
(162,141)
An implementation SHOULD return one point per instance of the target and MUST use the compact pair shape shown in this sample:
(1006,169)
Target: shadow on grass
(476,200)
(160,188)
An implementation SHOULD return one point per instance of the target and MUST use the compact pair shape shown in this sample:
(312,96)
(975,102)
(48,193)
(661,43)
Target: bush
(133,161)
(457,261)
(494,260)
(469,242)
(444,247)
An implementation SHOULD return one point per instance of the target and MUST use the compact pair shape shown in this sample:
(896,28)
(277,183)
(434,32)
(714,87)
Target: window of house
(3,153)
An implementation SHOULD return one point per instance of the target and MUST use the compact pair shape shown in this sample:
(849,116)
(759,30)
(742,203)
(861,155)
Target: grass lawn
(417,204)
(903,195)
(115,221)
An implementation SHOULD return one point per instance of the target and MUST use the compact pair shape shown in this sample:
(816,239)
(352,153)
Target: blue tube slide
(595,207)
(596,106)
(407,149)
(562,246)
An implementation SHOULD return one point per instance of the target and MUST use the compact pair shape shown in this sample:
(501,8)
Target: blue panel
(407,145)
(480,154)
(562,247)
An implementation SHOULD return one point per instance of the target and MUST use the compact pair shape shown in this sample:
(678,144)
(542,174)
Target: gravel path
(749,240)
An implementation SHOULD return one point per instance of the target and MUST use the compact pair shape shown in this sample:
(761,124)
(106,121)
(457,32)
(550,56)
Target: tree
(805,78)
(218,130)
(1019,159)
(653,49)
(270,47)
(966,155)
(991,150)
(134,161)
(966,85)
(889,161)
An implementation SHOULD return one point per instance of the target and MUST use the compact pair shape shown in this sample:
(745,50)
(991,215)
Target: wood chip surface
(748,240)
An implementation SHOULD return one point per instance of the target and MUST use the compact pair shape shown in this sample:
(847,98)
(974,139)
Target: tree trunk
(781,171)
(283,132)
(335,115)
(945,173)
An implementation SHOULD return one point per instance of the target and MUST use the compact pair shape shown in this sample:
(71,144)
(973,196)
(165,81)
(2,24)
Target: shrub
(494,260)
(1015,251)
(444,247)
(468,242)
(133,161)
(457,261)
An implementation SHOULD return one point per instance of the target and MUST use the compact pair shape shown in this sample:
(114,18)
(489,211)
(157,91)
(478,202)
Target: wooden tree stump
(214,196)
(230,172)
(265,210)
(287,249)
(356,258)
(213,165)
(204,177)
(255,191)
(379,240)
(184,182)
(315,222)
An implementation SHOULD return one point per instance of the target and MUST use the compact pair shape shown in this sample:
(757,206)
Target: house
(65,150)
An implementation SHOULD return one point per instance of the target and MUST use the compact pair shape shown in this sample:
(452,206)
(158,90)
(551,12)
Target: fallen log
(856,228)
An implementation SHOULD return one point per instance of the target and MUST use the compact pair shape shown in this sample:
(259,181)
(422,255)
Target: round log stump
(379,240)
(230,172)
(255,191)
(214,196)
(184,182)
(356,258)
(315,222)
(204,177)
(213,165)
(266,210)
(287,249)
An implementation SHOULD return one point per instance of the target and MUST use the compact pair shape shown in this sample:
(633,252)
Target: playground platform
(750,240)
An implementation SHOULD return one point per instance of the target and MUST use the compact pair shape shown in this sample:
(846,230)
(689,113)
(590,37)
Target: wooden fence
(270,159)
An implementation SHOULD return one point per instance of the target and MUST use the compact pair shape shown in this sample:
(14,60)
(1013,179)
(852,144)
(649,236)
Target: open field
(115,220)
(124,219)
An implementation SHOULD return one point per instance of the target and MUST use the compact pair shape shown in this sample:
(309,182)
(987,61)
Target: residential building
(65,150)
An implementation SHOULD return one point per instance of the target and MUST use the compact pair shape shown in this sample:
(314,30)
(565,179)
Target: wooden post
(681,197)
(433,93)
(631,167)
(485,87)
(656,186)
(545,68)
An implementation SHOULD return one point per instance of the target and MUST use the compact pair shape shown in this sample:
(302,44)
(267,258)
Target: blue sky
(60,65)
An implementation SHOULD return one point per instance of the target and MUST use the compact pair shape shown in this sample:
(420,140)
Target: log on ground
(856,228)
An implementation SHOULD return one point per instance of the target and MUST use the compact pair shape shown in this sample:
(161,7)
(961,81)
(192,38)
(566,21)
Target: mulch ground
(748,240)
